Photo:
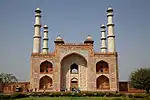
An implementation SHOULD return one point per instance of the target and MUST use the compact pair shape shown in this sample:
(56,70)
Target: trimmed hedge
(12,96)
(73,94)
(138,95)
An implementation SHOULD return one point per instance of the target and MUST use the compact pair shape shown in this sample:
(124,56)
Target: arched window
(46,67)
(102,67)
(102,82)
(74,69)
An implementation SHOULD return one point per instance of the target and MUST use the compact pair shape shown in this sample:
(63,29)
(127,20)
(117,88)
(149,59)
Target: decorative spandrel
(63,52)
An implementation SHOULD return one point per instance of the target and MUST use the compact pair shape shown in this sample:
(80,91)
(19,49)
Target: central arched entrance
(73,66)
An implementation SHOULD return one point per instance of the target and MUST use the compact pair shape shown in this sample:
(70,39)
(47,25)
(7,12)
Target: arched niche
(102,83)
(102,67)
(45,83)
(46,67)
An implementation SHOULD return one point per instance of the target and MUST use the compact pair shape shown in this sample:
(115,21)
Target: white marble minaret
(45,40)
(37,35)
(103,38)
(110,26)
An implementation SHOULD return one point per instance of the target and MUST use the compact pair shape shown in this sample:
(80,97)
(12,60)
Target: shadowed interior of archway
(102,67)
(74,69)
(46,67)
(69,62)
(102,82)
(45,83)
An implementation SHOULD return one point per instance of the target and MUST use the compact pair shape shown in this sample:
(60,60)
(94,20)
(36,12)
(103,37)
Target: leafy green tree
(140,79)
(6,79)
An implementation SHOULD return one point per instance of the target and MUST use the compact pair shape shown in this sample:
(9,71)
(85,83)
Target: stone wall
(11,87)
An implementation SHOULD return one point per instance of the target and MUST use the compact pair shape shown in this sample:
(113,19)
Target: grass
(80,98)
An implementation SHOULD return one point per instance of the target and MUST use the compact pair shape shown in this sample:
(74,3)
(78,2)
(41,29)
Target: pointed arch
(73,83)
(46,67)
(74,79)
(102,83)
(46,83)
(71,59)
(73,53)
(102,67)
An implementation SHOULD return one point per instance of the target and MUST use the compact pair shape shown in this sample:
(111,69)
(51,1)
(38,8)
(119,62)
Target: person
(66,90)
(56,89)
(44,87)
(35,89)
(78,90)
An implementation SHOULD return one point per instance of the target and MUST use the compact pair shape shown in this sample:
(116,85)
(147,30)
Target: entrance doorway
(74,84)
(78,62)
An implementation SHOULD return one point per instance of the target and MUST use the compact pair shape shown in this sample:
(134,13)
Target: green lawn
(79,98)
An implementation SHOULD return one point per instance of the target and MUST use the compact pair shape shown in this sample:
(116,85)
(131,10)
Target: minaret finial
(103,38)
(45,40)
(110,26)
(37,35)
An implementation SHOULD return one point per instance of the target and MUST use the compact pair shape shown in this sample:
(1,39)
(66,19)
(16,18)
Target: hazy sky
(74,19)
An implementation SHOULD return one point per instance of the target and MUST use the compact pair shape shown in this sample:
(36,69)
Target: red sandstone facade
(10,88)
(92,71)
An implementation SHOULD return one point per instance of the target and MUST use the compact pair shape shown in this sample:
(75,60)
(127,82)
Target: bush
(113,94)
(140,95)
(117,99)
(130,95)
(56,94)
(5,97)
(18,95)
(73,94)
(102,94)
(65,93)
(86,93)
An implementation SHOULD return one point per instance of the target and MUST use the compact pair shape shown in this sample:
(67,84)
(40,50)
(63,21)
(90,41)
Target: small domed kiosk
(59,40)
(88,40)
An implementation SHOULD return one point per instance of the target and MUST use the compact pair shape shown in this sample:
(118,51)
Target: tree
(140,79)
(6,79)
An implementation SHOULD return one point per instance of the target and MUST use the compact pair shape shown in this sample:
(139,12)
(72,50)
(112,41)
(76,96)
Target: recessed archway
(102,82)
(46,67)
(102,67)
(45,83)
(75,61)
